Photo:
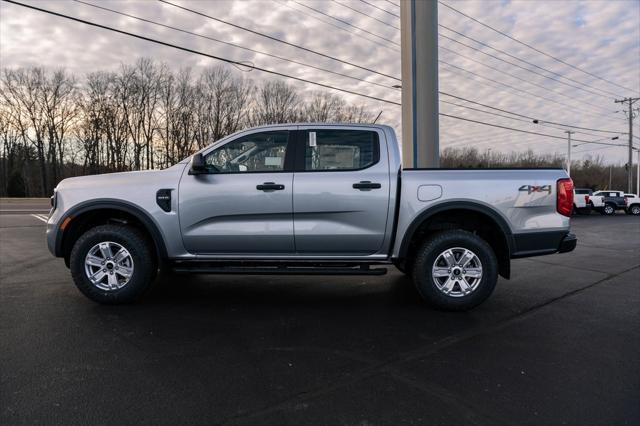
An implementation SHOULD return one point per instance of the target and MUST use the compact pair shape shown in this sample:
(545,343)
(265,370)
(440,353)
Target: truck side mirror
(197,165)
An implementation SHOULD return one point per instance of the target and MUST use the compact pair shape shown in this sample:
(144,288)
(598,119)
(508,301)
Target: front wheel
(455,270)
(634,210)
(112,264)
(608,210)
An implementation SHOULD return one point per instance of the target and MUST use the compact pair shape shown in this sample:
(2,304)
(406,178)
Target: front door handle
(270,186)
(365,184)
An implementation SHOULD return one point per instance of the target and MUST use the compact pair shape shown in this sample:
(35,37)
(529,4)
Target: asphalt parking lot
(557,344)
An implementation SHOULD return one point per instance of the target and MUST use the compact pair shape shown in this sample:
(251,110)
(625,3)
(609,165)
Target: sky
(599,37)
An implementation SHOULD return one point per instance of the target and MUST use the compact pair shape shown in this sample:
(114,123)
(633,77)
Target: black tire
(141,253)
(608,209)
(426,258)
(634,210)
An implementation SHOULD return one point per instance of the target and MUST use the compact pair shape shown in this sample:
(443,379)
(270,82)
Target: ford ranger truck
(308,199)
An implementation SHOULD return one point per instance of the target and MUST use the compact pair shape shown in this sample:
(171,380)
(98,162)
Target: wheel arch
(448,215)
(95,212)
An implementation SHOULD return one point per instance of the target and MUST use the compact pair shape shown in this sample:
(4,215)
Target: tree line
(55,125)
(591,173)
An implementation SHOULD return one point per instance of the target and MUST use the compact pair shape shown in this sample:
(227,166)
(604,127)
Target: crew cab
(308,199)
(613,200)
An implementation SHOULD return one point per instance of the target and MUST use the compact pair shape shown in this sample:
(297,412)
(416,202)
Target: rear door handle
(365,184)
(270,186)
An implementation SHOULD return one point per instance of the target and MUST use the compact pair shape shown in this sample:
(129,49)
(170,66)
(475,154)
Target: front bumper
(568,243)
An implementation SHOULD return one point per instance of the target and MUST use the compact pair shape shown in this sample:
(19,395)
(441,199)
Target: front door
(243,205)
(341,191)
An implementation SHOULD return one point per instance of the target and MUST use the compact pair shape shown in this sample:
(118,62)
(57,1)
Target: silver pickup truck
(308,199)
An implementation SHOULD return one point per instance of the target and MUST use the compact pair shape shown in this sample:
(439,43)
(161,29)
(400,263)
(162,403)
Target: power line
(379,8)
(278,40)
(532,47)
(505,127)
(517,89)
(486,112)
(343,21)
(529,117)
(152,40)
(284,3)
(219,58)
(231,44)
(523,60)
(516,118)
(523,68)
(520,78)
(365,15)
(395,4)
(548,99)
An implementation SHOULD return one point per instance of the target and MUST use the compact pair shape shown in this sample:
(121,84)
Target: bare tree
(275,102)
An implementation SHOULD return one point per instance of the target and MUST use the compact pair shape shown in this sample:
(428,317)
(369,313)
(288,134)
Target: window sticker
(312,139)
(273,161)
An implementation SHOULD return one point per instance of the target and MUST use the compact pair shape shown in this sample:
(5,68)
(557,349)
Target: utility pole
(569,133)
(630,116)
(420,114)
(637,172)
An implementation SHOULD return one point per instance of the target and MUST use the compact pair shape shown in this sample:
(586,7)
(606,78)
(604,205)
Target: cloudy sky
(600,37)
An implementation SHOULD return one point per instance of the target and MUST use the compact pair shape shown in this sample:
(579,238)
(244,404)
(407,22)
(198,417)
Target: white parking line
(40,217)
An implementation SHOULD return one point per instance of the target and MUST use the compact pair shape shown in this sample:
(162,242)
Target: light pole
(419,57)
(569,133)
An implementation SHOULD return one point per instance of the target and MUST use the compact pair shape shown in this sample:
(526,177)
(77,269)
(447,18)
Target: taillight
(586,199)
(564,197)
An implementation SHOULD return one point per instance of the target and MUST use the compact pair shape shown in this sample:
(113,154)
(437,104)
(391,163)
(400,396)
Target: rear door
(341,191)
(244,205)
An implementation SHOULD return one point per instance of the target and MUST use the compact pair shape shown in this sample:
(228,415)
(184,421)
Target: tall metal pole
(638,173)
(569,133)
(630,101)
(420,114)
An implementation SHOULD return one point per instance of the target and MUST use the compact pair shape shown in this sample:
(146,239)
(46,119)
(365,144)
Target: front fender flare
(113,204)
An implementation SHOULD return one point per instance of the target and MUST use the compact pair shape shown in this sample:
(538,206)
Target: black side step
(276,270)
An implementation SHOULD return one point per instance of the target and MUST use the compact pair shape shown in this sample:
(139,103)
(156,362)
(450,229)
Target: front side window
(340,150)
(257,152)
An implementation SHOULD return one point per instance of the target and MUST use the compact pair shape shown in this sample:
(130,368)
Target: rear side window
(327,150)
(582,191)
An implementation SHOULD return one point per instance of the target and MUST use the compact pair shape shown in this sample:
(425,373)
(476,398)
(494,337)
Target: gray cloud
(600,36)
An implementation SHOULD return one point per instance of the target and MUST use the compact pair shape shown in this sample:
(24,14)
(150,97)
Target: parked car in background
(613,200)
(632,204)
(582,203)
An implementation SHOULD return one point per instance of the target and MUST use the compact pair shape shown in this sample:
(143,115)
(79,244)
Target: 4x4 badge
(535,188)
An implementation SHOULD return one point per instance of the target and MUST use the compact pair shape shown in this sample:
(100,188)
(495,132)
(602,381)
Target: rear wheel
(455,270)
(112,264)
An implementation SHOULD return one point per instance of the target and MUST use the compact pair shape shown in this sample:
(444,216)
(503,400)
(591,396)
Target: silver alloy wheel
(635,210)
(457,272)
(109,266)
(608,209)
